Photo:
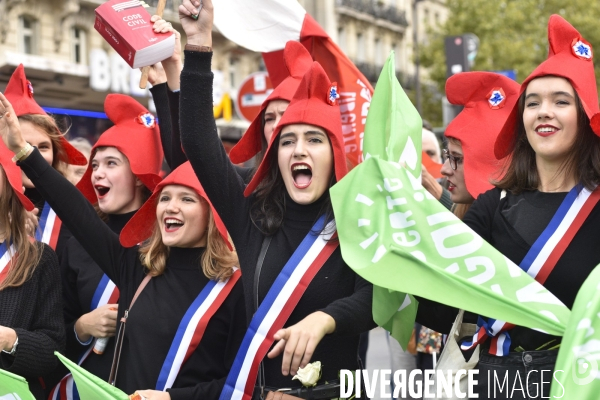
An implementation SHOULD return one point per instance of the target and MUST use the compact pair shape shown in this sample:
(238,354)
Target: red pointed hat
(297,61)
(19,91)
(13,175)
(140,226)
(570,56)
(488,99)
(134,134)
(314,103)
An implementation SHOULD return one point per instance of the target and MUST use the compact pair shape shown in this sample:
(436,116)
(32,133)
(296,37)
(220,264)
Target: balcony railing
(376,9)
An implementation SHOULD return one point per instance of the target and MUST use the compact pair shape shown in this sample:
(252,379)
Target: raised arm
(199,137)
(101,243)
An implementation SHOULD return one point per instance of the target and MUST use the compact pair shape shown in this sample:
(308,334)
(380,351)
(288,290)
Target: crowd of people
(221,282)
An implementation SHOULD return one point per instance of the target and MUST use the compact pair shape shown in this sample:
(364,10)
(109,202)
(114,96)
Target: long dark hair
(583,161)
(268,208)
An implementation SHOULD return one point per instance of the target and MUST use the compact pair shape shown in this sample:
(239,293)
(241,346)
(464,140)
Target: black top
(154,319)
(499,223)
(335,290)
(34,311)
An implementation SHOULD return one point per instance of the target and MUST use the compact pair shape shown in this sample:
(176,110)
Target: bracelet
(14,348)
(21,154)
(201,49)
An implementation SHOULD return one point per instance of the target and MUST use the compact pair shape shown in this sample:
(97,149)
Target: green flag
(577,371)
(14,387)
(393,132)
(89,386)
(397,236)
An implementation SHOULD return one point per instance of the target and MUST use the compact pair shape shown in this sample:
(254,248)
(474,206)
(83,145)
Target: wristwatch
(201,49)
(14,348)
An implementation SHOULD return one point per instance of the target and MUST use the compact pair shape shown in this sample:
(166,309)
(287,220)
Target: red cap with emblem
(140,226)
(487,98)
(297,61)
(136,135)
(315,103)
(571,57)
(19,91)
(13,175)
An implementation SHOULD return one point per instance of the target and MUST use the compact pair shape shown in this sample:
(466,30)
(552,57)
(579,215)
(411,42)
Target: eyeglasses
(452,160)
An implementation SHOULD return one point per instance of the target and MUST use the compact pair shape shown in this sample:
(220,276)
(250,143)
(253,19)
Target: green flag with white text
(89,386)
(14,387)
(393,132)
(577,371)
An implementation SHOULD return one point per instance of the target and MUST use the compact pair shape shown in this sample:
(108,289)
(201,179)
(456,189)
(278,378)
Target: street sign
(251,94)
(509,73)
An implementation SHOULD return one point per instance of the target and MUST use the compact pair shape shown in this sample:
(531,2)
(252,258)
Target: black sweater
(488,217)
(335,290)
(154,319)
(34,311)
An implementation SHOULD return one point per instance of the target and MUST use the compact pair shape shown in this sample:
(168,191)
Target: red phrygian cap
(139,227)
(135,134)
(571,57)
(13,175)
(19,92)
(297,61)
(488,98)
(314,103)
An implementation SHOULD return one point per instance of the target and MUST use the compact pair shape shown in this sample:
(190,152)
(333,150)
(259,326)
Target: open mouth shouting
(302,175)
(172,224)
(546,130)
(101,191)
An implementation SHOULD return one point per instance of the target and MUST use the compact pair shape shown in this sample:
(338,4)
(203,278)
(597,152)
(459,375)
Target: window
(360,48)
(233,72)
(342,39)
(378,53)
(78,45)
(27,27)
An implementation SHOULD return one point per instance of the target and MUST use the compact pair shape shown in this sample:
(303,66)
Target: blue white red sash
(6,258)
(192,327)
(49,227)
(540,261)
(106,293)
(275,309)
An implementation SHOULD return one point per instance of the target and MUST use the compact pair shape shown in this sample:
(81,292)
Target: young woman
(254,142)
(124,168)
(193,292)
(549,183)
(314,313)
(31,327)
(40,130)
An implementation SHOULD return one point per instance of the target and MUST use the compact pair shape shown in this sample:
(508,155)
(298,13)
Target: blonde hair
(13,217)
(217,261)
(48,125)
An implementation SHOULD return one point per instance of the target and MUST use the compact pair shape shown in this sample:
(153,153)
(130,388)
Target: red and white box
(126,25)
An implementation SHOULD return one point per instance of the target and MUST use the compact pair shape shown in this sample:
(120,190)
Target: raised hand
(102,322)
(9,126)
(197,25)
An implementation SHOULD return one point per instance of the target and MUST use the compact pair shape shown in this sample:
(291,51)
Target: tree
(512,33)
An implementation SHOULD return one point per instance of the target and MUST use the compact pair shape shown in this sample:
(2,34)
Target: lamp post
(416,50)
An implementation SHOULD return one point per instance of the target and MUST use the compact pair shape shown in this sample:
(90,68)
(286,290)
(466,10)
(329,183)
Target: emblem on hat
(30,89)
(147,120)
(582,49)
(496,98)
(332,95)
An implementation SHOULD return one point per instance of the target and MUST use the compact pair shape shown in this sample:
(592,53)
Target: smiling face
(456,178)
(182,217)
(305,161)
(117,188)
(550,118)
(37,137)
(273,114)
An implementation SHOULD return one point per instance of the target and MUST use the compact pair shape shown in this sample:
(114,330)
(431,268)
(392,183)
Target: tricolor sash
(49,227)
(275,309)
(106,293)
(540,261)
(192,328)
(6,256)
